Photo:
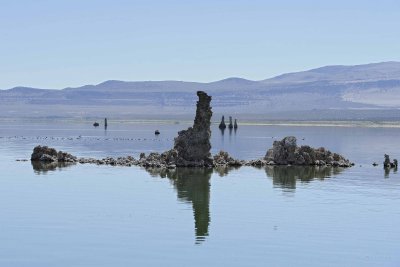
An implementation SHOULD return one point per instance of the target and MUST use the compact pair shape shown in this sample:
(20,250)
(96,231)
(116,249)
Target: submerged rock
(193,145)
(286,152)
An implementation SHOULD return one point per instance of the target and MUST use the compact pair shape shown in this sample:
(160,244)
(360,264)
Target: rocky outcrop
(192,149)
(193,145)
(230,126)
(47,154)
(286,152)
(223,159)
(222,124)
(388,164)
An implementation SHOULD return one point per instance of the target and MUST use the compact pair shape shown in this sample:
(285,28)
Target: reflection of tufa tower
(193,185)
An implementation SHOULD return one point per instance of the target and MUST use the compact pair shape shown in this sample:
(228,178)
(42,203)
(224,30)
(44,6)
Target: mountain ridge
(339,88)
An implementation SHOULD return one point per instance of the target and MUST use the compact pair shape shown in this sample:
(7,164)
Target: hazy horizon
(212,81)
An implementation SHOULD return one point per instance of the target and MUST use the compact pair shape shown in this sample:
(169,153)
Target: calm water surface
(87,215)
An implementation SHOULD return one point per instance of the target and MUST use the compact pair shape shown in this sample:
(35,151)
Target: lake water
(88,215)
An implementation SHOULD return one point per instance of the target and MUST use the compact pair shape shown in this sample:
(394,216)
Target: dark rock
(47,154)
(259,163)
(223,159)
(65,157)
(235,124)
(157,132)
(193,145)
(48,158)
(230,123)
(222,125)
(286,152)
(96,124)
(39,151)
(386,163)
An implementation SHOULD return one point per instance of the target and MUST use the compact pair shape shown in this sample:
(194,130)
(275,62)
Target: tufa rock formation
(47,154)
(230,123)
(388,164)
(235,124)
(286,152)
(223,159)
(193,145)
(192,149)
(222,125)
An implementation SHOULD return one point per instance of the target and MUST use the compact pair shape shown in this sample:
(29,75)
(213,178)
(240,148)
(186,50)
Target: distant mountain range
(370,91)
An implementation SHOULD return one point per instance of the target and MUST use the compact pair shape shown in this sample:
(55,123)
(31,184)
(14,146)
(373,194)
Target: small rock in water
(157,132)
(388,164)
(222,125)
(230,126)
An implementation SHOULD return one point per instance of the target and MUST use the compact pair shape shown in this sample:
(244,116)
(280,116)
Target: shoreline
(283,123)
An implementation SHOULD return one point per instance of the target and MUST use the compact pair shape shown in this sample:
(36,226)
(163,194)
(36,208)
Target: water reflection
(192,185)
(286,177)
(43,167)
(389,170)
(224,170)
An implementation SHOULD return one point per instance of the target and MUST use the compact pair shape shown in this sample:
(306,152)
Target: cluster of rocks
(48,154)
(192,149)
(231,125)
(223,159)
(388,164)
(286,152)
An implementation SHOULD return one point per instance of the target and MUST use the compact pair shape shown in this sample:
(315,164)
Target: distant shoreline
(284,123)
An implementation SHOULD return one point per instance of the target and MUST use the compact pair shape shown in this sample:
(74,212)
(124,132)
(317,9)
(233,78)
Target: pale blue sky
(55,44)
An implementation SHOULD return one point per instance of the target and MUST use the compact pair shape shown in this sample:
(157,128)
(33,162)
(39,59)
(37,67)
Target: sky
(57,44)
